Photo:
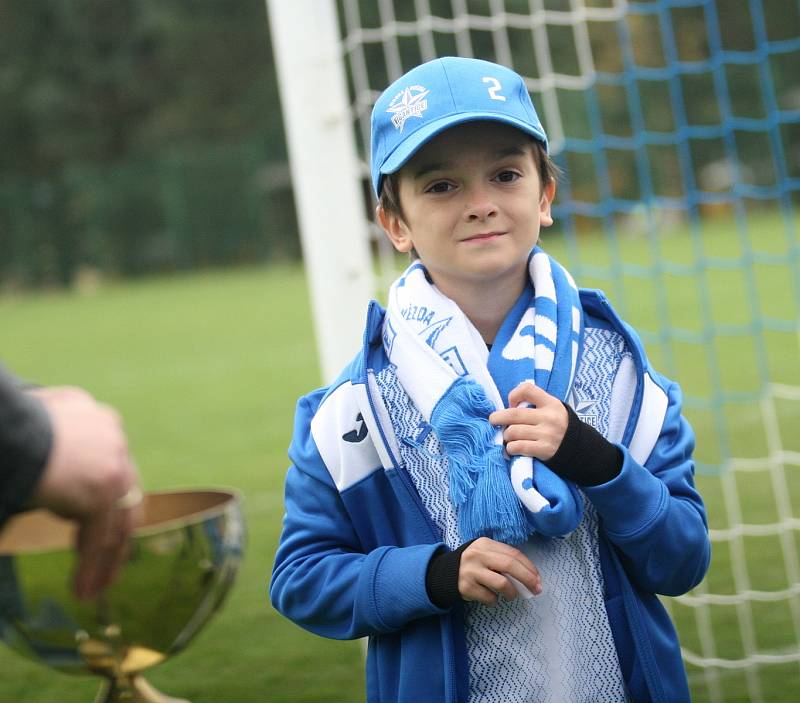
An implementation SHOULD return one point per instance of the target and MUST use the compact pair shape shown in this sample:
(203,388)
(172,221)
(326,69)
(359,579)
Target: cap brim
(414,142)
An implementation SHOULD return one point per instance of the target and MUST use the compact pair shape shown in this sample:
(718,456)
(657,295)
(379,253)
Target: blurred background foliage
(143,136)
(138,136)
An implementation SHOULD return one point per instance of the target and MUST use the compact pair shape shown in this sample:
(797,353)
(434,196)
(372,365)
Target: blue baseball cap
(438,95)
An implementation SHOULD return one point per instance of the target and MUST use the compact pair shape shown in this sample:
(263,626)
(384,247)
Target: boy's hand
(485,567)
(532,431)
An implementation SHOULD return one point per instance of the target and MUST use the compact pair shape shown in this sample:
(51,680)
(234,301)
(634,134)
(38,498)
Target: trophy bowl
(182,561)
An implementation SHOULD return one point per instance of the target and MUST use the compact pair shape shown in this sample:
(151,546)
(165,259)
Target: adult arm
(65,452)
(88,473)
(26,438)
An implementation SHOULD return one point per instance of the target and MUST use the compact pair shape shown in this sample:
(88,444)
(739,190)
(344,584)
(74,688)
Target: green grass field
(206,369)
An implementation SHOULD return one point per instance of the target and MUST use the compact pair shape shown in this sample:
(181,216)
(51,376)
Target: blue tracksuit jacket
(357,539)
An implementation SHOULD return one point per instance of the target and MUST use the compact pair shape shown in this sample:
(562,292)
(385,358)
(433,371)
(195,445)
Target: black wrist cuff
(441,580)
(585,456)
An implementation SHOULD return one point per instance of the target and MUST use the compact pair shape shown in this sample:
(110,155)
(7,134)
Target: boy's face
(473,204)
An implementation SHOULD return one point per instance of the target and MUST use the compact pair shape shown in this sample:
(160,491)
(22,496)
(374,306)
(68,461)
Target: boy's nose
(479,206)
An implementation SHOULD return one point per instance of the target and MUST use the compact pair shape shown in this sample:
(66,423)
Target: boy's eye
(439,187)
(507,176)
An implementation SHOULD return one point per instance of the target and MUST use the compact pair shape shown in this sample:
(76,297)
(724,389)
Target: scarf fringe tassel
(479,483)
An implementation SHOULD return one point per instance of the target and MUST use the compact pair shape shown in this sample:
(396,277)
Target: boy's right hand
(485,567)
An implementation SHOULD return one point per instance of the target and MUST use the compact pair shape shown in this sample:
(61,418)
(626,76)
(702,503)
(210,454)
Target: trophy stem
(132,688)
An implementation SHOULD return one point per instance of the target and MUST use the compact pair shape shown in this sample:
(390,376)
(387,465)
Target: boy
(499,484)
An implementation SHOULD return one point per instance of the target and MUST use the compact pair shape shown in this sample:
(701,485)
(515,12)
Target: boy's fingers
(521,568)
(521,589)
(498,550)
(538,448)
(528,392)
(486,585)
(499,559)
(481,594)
(528,577)
(498,583)
(510,416)
(520,431)
(508,589)
(521,415)
(487,545)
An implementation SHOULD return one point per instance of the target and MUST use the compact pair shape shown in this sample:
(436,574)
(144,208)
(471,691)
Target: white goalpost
(325,174)
(677,124)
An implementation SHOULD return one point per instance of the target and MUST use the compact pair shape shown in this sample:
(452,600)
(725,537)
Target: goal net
(677,125)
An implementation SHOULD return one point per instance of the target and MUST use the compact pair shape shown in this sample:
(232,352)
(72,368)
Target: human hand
(486,570)
(88,474)
(532,431)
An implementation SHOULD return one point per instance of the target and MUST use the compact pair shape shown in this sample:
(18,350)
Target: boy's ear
(548,194)
(396,230)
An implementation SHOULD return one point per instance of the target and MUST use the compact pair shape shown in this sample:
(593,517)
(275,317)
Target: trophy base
(133,688)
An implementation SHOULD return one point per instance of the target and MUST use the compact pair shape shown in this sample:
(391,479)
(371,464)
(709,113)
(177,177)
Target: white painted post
(325,175)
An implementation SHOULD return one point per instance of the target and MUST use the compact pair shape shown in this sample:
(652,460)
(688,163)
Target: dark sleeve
(585,456)
(26,437)
(441,580)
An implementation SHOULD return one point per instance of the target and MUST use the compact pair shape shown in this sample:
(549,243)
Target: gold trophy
(183,559)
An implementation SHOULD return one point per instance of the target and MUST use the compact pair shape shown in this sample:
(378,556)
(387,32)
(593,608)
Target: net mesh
(677,124)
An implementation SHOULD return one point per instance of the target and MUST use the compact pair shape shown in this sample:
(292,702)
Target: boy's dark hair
(390,189)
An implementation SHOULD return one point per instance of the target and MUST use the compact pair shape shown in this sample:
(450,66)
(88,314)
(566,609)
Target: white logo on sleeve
(409,102)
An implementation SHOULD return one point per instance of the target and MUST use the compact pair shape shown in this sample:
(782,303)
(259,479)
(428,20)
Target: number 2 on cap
(494,88)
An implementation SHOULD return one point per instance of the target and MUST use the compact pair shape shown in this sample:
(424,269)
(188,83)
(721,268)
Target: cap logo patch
(409,102)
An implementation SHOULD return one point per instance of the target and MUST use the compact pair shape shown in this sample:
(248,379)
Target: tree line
(137,135)
(146,135)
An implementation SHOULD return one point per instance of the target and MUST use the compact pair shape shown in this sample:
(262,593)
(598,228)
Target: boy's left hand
(532,431)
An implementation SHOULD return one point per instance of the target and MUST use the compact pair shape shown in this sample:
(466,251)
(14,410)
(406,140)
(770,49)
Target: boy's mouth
(483,237)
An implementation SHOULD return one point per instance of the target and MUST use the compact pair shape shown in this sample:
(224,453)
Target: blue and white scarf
(456,383)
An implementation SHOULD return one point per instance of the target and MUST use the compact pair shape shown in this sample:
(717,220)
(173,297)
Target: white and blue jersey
(367,506)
